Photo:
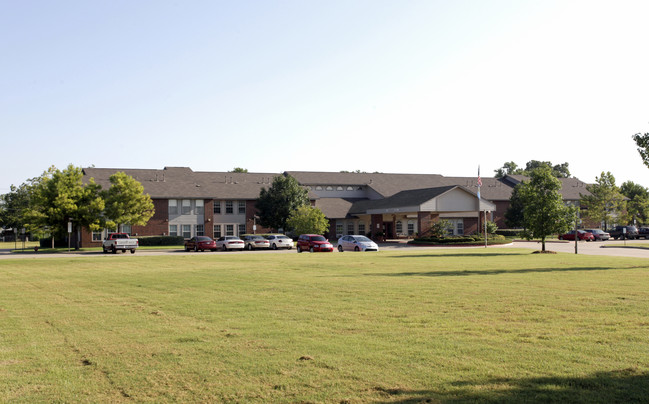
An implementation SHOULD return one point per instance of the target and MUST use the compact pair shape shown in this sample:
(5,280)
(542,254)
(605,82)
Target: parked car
(583,235)
(226,243)
(313,243)
(619,232)
(643,232)
(119,242)
(356,243)
(252,242)
(200,243)
(599,234)
(279,241)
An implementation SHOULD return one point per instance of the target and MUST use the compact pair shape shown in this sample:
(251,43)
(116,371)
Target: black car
(643,232)
(624,232)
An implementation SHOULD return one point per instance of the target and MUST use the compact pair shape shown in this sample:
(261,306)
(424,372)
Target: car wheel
(299,249)
(114,250)
(340,248)
(133,251)
(195,248)
(311,249)
(274,246)
(249,247)
(224,248)
(105,250)
(357,249)
(560,237)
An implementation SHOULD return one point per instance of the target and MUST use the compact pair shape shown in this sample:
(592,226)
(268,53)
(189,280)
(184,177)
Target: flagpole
(485,212)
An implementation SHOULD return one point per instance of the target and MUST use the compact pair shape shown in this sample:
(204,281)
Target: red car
(583,235)
(200,243)
(313,243)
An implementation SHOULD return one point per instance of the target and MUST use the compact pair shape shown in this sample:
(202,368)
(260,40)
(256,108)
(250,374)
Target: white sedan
(356,243)
(226,243)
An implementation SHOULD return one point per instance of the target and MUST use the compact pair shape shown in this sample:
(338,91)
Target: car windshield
(257,238)
(362,239)
(318,238)
(283,237)
(203,239)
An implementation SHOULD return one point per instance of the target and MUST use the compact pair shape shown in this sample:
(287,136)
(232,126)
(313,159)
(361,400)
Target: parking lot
(610,248)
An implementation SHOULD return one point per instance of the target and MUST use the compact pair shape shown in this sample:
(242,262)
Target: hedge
(509,232)
(150,241)
(460,240)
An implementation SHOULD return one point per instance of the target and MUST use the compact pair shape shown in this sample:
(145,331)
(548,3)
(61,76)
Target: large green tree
(276,203)
(61,196)
(126,202)
(308,220)
(605,204)
(544,211)
(15,203)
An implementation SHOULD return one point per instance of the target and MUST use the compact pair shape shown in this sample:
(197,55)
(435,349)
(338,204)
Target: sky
(438,87)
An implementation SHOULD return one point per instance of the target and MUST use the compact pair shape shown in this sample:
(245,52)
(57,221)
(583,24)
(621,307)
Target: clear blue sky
(391,86)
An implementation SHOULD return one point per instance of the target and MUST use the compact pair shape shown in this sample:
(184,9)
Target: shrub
(510,232)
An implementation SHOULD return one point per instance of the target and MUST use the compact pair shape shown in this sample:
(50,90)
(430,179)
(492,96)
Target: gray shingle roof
(182,182)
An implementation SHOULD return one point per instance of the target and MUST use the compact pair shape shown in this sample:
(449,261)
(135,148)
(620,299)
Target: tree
(511,168)
(544,212)
(637,206)
(276,203)
(126,202)
(14,205)
(514,213)
(605,203)
(642,141)
(308,220)
(239,170)
(60,197)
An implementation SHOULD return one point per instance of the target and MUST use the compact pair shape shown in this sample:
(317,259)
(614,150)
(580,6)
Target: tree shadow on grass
(619,386)
(472,272)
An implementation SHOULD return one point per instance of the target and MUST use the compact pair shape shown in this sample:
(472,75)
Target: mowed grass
(463,325)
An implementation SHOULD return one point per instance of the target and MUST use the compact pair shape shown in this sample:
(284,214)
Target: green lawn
(469,325)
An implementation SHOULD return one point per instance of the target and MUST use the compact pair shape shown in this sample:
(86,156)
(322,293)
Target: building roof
(183,182)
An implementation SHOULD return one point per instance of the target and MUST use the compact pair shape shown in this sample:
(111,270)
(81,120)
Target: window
(242,207)
(229,230)
(217,230)
(330,188)
(411,227)
(187,207)
(200,207)
(350,228)
(187,230)
(200,230)
(339,229)
(228,208)
(399,227)
(361,228)
(126,228)
(350,188)
(173,207)
(242,228)
(339,188)
(217,207)
(460,227)
(318,188)
(173,229)
(97,235)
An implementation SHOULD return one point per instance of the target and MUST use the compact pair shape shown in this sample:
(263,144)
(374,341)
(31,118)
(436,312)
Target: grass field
(446,326)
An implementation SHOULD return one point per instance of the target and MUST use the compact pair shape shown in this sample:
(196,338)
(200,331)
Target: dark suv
(619,232)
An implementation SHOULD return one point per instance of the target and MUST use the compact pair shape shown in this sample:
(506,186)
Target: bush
(150,241)
(460,240)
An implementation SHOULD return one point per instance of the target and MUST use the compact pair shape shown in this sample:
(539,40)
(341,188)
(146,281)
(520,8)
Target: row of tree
(46,204)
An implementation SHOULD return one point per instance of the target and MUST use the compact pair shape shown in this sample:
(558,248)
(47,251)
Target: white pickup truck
(119,242)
